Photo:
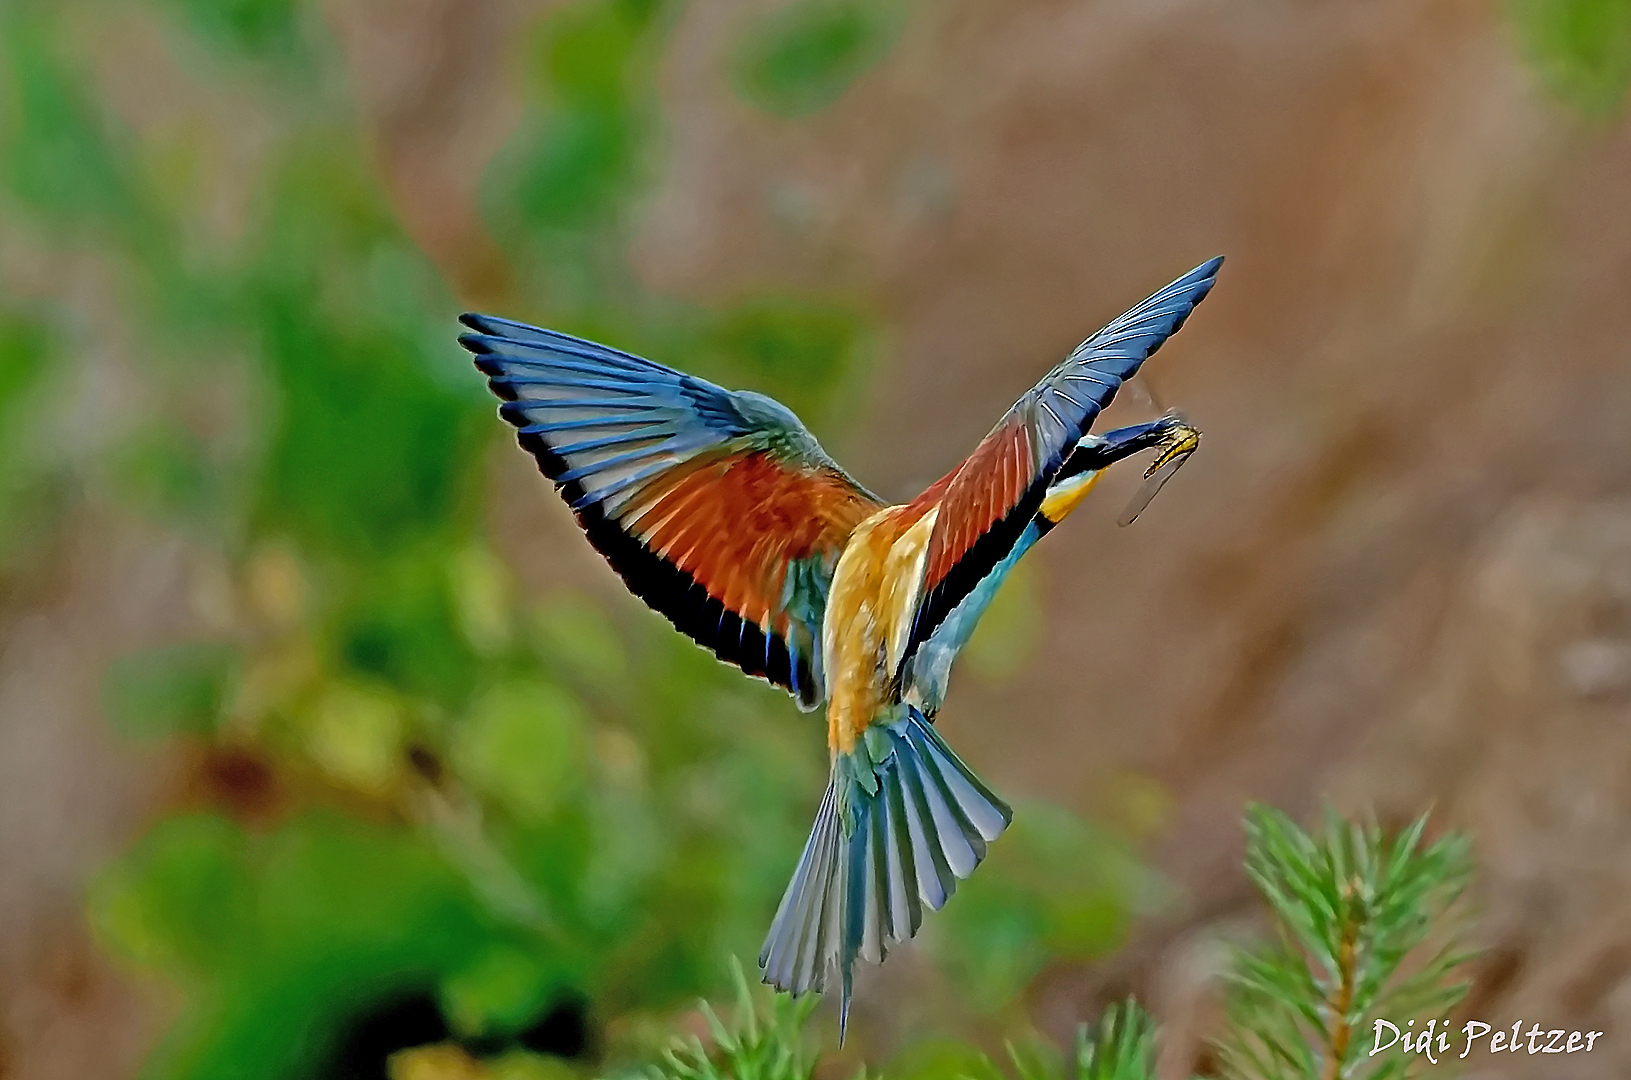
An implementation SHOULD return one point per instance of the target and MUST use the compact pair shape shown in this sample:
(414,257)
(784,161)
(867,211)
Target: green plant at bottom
(758,1044)
(1366,926)
(1120,1047)
(1350,908)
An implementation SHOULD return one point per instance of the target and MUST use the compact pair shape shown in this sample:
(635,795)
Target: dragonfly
(722,512)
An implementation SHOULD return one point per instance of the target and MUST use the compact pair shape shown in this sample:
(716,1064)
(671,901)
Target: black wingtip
(480,344)
(474,321)
(503,389)
(514,412)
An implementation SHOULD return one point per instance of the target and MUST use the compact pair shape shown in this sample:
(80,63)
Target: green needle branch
(758,1044)
(1365,927)
(1352,912)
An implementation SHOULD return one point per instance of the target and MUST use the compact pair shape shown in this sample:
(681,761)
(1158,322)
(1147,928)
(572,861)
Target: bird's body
(722,512)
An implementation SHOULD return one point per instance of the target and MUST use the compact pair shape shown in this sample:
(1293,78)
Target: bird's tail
(902,820)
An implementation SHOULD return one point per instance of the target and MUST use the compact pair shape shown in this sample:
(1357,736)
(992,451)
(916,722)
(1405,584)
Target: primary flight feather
(721,511)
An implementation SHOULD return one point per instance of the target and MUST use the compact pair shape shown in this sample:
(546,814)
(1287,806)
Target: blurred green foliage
(56,154)
(801,57)
(413,783)
(23,347)
(1011,627)
(27,492)
(171,690)
(1581,47)
(253,28)
(592,70)
(1055,889)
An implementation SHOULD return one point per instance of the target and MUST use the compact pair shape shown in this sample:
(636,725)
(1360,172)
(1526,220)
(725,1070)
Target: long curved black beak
(1172,434)
(1121,443)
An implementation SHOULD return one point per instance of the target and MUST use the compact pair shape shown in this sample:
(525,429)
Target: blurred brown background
(1397,576)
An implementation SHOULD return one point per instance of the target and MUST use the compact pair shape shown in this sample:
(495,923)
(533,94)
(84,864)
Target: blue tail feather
(876,859)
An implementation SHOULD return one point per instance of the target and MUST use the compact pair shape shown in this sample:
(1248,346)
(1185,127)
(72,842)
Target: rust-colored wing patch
(738,525)
(717,508)
(980,494)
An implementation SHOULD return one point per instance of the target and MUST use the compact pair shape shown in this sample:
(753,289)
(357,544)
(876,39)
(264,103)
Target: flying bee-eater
(720,510)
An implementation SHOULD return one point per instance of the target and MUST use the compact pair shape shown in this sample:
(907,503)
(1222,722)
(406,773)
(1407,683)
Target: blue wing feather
(1085,383)
(606,426)
(971,542)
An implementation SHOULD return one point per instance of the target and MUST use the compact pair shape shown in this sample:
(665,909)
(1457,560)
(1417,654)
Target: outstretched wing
(717,508)
(986,502)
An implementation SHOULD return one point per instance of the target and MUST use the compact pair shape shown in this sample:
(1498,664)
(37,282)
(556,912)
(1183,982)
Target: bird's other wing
(987,501)
(717,508)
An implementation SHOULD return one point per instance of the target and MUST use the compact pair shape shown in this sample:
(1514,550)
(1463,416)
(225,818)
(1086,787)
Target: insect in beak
(1177,444)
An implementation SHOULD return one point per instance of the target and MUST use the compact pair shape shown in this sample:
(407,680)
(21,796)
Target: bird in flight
(720,510)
